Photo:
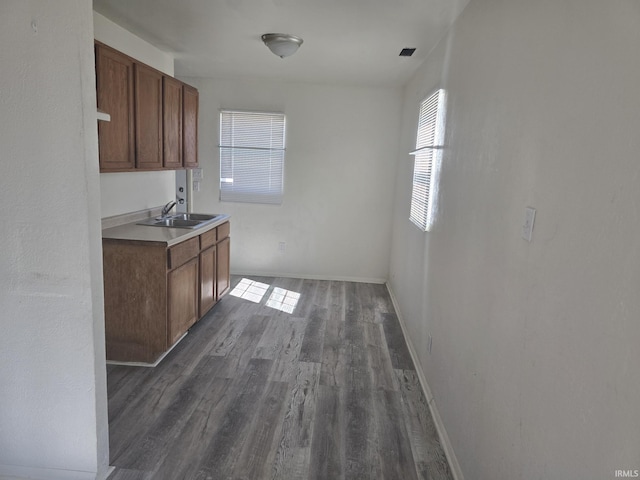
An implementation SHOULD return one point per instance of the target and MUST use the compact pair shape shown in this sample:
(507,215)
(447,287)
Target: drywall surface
(132,191)
(339,174)
(53,415)
(535,354)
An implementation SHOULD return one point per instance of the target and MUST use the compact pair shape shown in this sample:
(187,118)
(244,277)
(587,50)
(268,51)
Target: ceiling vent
(407,52)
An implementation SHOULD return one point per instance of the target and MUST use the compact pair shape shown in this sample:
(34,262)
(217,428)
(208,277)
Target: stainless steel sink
(181,220)
(201,217)
(176,223)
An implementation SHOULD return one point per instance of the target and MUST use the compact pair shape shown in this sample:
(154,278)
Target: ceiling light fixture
(282,44)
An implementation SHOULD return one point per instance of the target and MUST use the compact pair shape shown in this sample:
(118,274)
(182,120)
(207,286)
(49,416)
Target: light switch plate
(527,227)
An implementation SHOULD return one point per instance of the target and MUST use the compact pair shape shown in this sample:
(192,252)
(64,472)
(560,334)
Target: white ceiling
(353,42)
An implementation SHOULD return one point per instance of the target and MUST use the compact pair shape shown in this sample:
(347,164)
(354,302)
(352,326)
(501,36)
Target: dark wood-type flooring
(327,392)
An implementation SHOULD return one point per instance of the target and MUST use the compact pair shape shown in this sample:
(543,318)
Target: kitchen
(529,347)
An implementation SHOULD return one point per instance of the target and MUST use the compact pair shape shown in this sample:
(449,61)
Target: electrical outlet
(527,227)
(196,174)
(282,247)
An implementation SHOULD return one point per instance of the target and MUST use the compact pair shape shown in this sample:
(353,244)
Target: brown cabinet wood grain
(182,296)
(135,300)
(190,126)
(154,293)
(154,117)
(114,83)
(148,92)
(172,122)
(208,290)
(223,271)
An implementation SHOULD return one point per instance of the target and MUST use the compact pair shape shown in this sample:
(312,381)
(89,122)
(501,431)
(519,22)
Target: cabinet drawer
(208,239)
(223,230)
(183,252)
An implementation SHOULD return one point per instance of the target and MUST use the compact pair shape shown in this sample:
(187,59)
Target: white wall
(53,414)
(339,175)
(132,191)
(534,365)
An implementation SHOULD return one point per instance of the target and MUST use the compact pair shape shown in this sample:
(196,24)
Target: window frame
(427,160)
(255,188)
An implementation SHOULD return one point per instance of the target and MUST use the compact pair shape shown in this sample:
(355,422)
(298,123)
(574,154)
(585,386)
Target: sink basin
(180,220)
(200,217)
(176,223)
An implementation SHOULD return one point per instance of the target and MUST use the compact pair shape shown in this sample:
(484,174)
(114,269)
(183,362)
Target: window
(427,158)
(251,157)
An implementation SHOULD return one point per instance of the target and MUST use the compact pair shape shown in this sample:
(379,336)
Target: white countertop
(165,235)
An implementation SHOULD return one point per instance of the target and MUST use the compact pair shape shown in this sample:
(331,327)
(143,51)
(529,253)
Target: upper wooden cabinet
(172,118)
(114,78)
(190,126)
(148,88)
(154,117)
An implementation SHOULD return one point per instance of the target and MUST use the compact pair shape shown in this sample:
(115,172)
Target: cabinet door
(190,126)
(114,82)
(183,299)
(223,273)
(208,292)
(172,122)
(148,87)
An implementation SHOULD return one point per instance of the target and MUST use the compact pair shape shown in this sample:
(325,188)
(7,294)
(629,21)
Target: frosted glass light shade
(282,44)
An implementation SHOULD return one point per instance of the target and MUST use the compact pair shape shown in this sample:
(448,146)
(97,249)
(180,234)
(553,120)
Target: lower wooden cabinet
(208,291)
(182,293)
(154,293)
(223,275)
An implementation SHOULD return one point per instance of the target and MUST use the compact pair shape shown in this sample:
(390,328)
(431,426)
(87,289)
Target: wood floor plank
(153,444)
(240,354)
(398,350)
(327,447)
(379,360)
(277,333)
(431,462)
(189,448)
(285,364)
(256,458)
(337,295)
(393,443)
(146,406)
(365,294)
(230,332)
(381,299)
(358,405)
(334,352)
(322,294)
(293,450)
(253,392)
(306,302)
(223,448)
(311,350)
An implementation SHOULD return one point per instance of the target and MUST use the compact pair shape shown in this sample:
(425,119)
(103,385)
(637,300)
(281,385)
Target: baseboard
(310,276)
(456,471)
(151,365)
(14,472)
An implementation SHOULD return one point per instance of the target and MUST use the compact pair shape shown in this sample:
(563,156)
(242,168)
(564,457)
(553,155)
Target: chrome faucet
(167,208)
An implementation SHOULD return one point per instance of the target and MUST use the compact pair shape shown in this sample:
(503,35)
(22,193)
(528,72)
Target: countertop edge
(163,235)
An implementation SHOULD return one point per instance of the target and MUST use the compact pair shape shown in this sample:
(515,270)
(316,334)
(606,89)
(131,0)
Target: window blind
(427,155)
(252,147)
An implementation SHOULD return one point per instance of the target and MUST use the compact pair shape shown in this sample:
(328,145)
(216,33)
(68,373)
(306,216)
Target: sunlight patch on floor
(250,290)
